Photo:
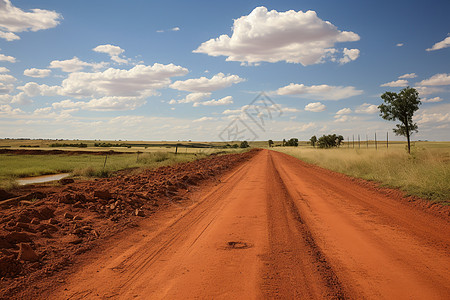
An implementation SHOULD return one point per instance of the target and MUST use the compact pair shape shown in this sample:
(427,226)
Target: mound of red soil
(54,223)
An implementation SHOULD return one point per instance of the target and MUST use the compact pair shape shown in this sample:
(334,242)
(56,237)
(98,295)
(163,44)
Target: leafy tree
(330,141)
(244,144)
(313,141)
(401,107)
(292,142)
(270,143)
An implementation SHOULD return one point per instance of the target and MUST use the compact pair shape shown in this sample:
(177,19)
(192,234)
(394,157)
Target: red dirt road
(275,227)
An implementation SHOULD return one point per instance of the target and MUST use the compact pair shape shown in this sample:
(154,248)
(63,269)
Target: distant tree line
(79,145)
(244,144)
(111,145)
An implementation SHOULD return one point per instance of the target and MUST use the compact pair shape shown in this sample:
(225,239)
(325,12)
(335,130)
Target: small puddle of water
(41,179)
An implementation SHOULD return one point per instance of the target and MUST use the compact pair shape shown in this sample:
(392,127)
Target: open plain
(269,226)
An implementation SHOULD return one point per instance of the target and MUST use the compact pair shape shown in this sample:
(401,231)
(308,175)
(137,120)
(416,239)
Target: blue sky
(179,70)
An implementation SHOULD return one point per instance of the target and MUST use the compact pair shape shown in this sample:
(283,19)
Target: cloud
(204,85)
(431,100)
(400,45)
(344,111)
(300,127)
(112,51)
(37,73)
(410,75)
(203,119)
(13,19)
(349,55)
(8,110)
(343,118)
(175,29)
(110,103)
(139,81)
(9,36)
(440,45)
(70,65)
(396,83)
(322,92)
(289,109)
(6,88)
(33,89)
(7,78)
(426,90)
(433,118)
(7,58)
(438,79)
(366,108)
(112,89)
(4,70)
(192,98)
(21,99)
(224,101)
(315,107)
(272,36)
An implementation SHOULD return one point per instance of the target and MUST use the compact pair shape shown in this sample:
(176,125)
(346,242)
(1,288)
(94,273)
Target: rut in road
(275,228)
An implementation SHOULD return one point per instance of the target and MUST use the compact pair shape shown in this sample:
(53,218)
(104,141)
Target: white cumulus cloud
(205,85)
(13,20)
(192,98)
(138,81)
(440,45)
(322,92)
(6,88)
(272,36)
(7,58)
(396,83)
(344,111)
(4,70)
(112,89)
(438,79)
(203,119)
(37,73)
(410,75)
(349,55)
(7,78)
(315,107)
(223,101)
(367,108)
(113,51)
(70,65)
(431,100)
(428,90)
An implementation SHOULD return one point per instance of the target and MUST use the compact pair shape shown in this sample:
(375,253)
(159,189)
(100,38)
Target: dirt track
(274,228)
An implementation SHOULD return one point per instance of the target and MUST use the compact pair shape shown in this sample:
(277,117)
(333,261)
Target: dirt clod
(27,253)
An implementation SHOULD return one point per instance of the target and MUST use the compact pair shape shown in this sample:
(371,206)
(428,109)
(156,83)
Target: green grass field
(424,173)
(13,166)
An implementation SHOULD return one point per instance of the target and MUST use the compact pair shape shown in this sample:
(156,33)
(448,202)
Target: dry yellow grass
(424,173)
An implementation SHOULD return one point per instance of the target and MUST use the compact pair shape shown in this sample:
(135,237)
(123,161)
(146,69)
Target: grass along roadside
(13,166)
(424,173)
